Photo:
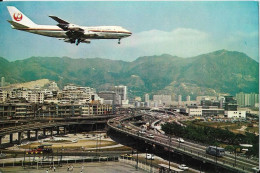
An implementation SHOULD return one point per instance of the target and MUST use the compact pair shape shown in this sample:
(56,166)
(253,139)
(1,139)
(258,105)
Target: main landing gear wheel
(77,41)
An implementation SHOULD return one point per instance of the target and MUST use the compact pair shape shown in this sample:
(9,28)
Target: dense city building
(204,111)
(110,97)
(122,91)
(247,100)
(71,101)
(162,99)
(2,81)
(231,110)
(146,98)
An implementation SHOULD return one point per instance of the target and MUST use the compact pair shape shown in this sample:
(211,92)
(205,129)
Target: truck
(215,151)
(41,149)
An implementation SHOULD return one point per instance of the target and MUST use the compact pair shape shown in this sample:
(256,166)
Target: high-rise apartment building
(179,98)
(122,91)
(2,81)
(188,98)
(162,99)
(146,98)
(247,100)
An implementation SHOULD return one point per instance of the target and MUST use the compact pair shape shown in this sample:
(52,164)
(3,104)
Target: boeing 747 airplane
(66,31)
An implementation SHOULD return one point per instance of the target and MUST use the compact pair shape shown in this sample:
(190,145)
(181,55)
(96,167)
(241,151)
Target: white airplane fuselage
(97,32)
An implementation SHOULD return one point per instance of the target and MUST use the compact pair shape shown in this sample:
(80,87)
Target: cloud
(243,42)
(182,42)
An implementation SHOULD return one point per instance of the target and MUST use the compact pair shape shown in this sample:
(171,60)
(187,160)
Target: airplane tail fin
(19,20)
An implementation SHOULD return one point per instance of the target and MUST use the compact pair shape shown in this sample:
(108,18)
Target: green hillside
(208,74)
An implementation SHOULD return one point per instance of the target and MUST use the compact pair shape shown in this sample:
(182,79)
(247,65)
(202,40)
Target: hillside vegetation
(208,74)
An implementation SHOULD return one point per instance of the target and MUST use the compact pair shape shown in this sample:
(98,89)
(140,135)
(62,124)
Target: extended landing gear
(119,41)
(77,41)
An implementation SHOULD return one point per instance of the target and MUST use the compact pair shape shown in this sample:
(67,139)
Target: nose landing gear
(119,41)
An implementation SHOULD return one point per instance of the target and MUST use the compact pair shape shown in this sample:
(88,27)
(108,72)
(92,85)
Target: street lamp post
(170,141)
(151,164)
(201,166)
(235,156)
(146,156)
(137,153)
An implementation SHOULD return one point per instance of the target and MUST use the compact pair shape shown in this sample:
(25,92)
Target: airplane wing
(74,32)
(66,26)
(59,20)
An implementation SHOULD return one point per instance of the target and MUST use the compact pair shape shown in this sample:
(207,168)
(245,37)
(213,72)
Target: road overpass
(170,144)
(50,124)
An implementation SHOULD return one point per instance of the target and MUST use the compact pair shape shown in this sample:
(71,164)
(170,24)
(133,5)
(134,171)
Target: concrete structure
(138,99)
(95,109)
(247,100)
(204,111)
(162,99)
(231,108)
(194,111)
(35,97)
(122,91)
(137,104)
(110,97)
(2,81)
(16,110)
(179,98)
(235,114)
(146,98)
(230,103)
(23,102)
(53,86)
(3,95)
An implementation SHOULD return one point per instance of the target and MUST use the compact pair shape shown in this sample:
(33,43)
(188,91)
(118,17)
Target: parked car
(183,167)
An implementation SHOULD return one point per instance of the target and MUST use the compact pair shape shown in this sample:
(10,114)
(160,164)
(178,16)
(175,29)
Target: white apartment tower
(2,81)
(180,98)
(122,91)
(146,98)
(188,98)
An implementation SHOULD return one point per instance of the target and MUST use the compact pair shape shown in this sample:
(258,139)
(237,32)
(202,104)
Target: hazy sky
(183,29)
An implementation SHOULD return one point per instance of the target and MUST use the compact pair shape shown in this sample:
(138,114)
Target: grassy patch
(70,145)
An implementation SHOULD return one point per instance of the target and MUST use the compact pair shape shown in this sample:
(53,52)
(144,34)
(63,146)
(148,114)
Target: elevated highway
(9,127)
(190,149)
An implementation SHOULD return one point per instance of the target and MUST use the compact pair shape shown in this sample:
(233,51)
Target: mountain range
(219,72)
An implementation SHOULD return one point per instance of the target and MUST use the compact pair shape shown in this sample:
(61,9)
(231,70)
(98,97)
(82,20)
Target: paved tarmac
(97,167)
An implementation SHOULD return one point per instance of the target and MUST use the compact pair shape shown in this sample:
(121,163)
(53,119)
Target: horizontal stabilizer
(17,25)
(60,21)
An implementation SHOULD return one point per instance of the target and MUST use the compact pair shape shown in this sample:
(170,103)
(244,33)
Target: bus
(215,151)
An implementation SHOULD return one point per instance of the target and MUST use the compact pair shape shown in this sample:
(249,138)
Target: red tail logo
(18,16)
